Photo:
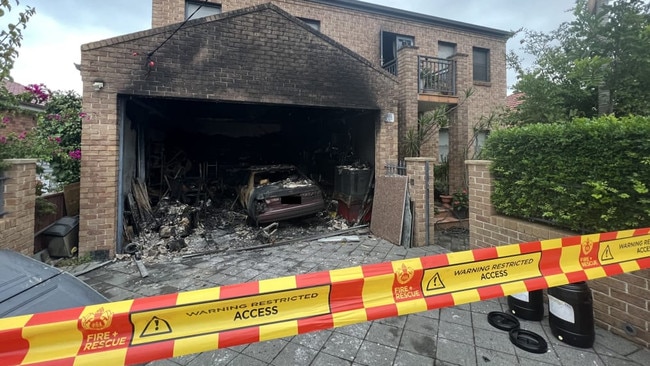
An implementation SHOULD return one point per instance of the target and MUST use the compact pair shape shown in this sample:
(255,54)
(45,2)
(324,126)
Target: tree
(607,50)
(11,37)
(429,123)
(62,123)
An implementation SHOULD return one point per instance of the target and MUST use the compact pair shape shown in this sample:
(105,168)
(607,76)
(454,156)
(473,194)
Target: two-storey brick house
(311,82)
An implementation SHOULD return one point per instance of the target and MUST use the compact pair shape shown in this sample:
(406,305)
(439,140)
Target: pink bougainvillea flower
(3,139)
(39,92)
(22,135)
(82,115)
(6,120)
(76,154)
(57,139)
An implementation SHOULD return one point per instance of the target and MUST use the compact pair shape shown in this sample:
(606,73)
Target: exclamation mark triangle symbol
(435,283)
(607,255)
(156,326)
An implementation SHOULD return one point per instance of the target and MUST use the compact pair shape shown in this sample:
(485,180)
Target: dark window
(481,60)
(389,44)
(204,9)
(314,24)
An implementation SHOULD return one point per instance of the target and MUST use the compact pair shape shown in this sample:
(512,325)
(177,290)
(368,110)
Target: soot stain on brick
(259,57)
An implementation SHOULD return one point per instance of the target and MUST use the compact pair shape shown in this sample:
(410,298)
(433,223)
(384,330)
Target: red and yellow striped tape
(158,327)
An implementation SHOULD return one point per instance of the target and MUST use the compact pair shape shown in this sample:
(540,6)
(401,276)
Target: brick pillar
(19,192)
(99,172)
(415,170)
(386,140)
(459,127)
(480,201)
(407,72)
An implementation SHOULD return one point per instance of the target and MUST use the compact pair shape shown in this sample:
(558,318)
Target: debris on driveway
(184,230)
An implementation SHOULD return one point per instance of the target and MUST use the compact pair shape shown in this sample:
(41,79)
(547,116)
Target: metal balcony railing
(436,75)
(391,66)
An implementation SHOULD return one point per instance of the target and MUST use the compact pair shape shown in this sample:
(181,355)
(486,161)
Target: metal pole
(426,202)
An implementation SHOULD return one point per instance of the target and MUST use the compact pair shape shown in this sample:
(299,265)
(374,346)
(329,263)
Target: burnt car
(279,192)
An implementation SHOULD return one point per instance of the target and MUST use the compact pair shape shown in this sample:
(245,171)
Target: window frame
(449,45)
(204,5)
(478,68)
(312,23)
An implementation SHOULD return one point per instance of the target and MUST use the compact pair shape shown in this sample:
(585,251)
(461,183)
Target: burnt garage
(215,95)
(170,138)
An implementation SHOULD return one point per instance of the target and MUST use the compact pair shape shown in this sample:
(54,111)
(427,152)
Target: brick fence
(621,303)
(19,195)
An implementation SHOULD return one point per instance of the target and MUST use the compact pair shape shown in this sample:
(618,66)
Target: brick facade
(337,67)
(17,225)
(620,302)
(278,60)
(358,28)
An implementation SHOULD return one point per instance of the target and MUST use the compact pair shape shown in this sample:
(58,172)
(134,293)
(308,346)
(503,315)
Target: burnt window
(481,61)
(390,43)
(202,9)
(313,23)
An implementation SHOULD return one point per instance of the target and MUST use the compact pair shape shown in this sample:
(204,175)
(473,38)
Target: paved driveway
(451,336)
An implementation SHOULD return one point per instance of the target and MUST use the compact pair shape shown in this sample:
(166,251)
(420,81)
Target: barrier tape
(158,327)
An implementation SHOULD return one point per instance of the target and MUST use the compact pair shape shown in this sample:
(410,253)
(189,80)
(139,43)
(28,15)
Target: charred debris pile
(194,215)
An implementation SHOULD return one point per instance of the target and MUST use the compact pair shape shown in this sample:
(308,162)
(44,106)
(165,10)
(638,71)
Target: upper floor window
(204,9)
(446,49)
(481,61)
(314,24)
(391,43)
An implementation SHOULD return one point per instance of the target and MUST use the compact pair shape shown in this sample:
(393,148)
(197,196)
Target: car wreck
(279,192)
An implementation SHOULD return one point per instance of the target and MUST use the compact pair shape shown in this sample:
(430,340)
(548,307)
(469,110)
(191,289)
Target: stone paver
(458,335)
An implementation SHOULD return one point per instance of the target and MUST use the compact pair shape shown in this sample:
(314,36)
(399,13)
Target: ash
(221,226)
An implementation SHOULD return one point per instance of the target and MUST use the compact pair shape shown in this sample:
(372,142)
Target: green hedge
(590,175)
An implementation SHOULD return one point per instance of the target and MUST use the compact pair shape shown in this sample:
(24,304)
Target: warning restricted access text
(473,275)
(209,317)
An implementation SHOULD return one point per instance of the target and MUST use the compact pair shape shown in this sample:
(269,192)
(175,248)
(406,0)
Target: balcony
(437,80)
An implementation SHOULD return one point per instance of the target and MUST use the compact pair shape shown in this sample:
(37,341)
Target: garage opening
(198,153)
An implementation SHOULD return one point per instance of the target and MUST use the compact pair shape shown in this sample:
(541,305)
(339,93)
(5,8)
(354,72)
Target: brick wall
(620,301)
(360,31)
(17,225)
(18,122)
(255,55)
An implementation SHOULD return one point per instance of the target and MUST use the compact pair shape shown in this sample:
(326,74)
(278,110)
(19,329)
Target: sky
(54,35)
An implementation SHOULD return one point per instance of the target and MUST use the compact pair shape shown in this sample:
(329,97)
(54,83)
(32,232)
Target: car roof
(28,286)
